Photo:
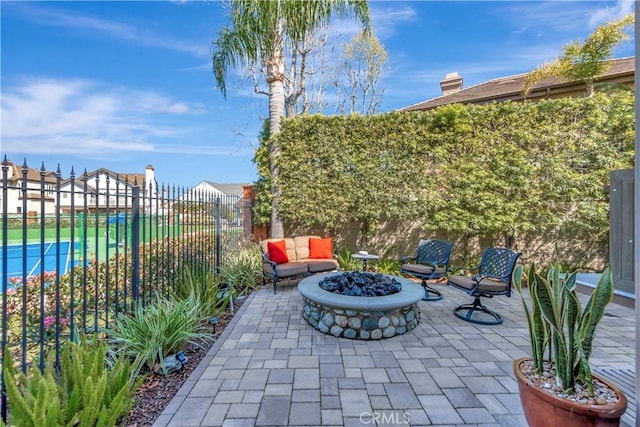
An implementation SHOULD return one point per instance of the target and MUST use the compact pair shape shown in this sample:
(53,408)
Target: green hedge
(497,170)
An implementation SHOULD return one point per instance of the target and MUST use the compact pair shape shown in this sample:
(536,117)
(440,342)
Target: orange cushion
(321,248)
(278,252)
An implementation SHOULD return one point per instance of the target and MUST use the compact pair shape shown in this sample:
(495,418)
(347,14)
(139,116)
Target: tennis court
(34,260)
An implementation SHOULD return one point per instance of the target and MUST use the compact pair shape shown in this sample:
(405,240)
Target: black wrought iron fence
(79,251)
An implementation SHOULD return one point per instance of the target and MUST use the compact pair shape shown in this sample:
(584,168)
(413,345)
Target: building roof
(230,189)
(510,88)
(130,178)
(33,175)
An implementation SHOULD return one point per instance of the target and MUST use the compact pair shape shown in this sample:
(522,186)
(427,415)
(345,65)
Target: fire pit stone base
(364,318)
(364,325)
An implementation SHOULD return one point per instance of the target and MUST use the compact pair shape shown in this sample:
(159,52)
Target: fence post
(43,173)
(218,232)
(135,241)
(57,282)
(72,239)
(5,206)
(248,195)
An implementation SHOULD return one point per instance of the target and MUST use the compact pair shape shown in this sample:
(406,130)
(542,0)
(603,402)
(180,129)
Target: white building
(18,202)
(208,192)
(105,190)
(110,191)
(216,189)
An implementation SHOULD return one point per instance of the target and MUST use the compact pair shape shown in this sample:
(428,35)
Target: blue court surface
(34,260)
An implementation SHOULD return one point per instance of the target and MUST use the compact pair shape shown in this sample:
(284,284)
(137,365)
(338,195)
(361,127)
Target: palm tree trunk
(276,109)
(275,68)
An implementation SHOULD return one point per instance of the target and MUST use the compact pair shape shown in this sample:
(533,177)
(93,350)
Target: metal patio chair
(492,279)
(430,262)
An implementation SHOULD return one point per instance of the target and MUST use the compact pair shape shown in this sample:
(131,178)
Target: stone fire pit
(360,317)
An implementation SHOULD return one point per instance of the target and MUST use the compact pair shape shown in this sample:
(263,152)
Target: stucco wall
(401,238)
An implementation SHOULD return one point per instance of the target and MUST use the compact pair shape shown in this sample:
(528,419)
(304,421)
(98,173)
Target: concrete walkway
(269,368)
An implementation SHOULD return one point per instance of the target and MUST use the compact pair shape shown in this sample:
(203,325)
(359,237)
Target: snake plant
(559,327)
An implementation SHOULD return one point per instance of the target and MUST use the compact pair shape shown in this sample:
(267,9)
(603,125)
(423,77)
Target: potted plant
(556,384)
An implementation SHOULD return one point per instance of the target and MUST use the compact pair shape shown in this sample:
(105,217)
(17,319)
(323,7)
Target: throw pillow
(321,248)
(278,251)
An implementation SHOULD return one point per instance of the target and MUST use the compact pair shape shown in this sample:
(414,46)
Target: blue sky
(125,84)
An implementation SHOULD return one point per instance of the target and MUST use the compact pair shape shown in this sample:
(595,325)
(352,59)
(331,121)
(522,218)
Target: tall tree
(361,66)
(256,35)
(308,67)
(305,68)
(584,61)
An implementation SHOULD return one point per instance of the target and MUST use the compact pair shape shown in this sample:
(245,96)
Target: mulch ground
(157,390)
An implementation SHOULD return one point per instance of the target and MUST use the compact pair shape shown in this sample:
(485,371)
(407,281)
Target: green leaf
(547,301)
(595,309)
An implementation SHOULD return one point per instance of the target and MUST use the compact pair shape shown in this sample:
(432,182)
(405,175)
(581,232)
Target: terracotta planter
(543,409)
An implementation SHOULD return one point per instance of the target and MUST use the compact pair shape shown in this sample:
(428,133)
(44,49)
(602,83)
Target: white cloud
(563,16)
(143,35)
(204,66)
(151,102)
(176,108)
(387,19)
(85,117)
(207,150)
(620,9)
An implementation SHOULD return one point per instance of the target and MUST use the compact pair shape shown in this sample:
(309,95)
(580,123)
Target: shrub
(347,262)
(203,290)
(459,169)
(158,330)
(242,270)
(387,265)
(86,392)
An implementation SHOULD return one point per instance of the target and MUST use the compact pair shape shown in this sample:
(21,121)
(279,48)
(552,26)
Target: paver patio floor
(270,368)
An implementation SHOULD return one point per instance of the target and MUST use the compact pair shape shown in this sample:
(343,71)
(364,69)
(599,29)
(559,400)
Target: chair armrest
(266,260)
(456,268)
(480,277)
(445,266)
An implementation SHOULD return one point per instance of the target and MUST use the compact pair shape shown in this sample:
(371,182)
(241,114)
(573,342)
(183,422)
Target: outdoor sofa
(298,256)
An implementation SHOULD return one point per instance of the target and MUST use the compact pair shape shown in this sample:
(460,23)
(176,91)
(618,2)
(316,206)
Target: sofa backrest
(297,247)
(289,245)
(302,246)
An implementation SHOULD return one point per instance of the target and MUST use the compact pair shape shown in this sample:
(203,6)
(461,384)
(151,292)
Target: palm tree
(583,61)
(257,34)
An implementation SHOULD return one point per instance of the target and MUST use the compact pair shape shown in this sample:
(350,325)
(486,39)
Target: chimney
(150,179)
(11,169)
(452,83)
